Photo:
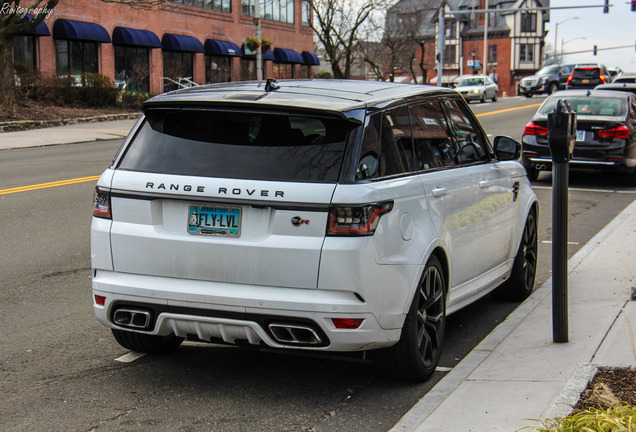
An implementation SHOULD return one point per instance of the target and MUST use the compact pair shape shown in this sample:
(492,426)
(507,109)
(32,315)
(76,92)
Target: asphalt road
(58,367)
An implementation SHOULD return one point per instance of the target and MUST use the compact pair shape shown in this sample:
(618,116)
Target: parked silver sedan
(477,87)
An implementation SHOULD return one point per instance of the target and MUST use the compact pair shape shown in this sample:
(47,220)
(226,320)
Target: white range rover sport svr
(320,215)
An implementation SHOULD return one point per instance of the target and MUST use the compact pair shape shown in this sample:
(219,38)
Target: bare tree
(339,26)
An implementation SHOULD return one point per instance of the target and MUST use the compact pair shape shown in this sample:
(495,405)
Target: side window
(472,144)
(387,145)
(434,147)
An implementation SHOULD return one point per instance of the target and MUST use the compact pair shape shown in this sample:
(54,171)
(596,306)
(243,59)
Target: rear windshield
(588,106)
(586,73)
(242,145)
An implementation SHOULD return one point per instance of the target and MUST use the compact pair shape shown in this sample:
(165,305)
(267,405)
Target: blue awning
(222,48)
(181,43)
(79,30)
(39,30)
(310,58)
(287,56)
(133,37)
(267,55)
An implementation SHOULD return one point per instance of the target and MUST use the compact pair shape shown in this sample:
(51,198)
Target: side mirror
(506,148)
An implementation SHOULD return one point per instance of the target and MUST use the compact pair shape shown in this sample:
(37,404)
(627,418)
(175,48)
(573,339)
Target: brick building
(514,38)
(153,47)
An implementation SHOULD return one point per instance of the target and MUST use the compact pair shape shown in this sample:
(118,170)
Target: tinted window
(472,145)
(585,106)
(238,145)
(431,136)
(387,145)
(586,73)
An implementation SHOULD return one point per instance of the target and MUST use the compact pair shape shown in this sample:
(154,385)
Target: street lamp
(556,31)
(568,41)
(474,70)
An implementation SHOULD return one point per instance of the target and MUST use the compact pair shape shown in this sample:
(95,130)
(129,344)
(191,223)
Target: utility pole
(259,52)
(440,47)
(485,58)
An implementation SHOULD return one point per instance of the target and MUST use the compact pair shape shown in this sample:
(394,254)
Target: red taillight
(347,323)
(620,132)
(602,79)
(100,300)
(101,203)
(533,129)
(356,220)
(570,77)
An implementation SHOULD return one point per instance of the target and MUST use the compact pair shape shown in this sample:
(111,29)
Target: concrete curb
(13,126)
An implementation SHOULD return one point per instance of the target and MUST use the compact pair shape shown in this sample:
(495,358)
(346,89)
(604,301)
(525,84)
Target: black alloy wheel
(415,357)
(521,282)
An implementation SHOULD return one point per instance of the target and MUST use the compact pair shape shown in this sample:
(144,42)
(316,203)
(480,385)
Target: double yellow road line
(48,185)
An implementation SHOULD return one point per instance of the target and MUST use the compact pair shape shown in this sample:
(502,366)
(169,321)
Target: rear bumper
(236,313)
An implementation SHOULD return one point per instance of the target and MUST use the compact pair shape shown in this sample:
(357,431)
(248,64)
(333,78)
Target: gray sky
(617,28)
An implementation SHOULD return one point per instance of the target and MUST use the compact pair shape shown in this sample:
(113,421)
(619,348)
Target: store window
(218,69)
(283,70)
(132,68)
(24,53)
(248,69)
(276,10)
(75,58)
(178,70)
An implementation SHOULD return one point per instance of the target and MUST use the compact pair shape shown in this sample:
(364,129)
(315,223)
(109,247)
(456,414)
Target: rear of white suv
(269,218)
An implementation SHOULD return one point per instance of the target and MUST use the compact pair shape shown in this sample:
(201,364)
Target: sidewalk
(69,134)
(517,375)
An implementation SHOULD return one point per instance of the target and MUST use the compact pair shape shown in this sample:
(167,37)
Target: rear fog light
(347,323)
(100,300)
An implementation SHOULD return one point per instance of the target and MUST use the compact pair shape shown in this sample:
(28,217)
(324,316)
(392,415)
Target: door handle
(439,192)
(485,184)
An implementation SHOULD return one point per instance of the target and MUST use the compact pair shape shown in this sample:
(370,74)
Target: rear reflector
(347,323)
(100,300)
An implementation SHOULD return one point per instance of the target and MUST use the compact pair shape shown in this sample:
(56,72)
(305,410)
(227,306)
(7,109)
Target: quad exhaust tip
(295,334)
(137,319)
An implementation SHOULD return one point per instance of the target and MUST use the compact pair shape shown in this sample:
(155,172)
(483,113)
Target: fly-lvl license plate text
(207,220)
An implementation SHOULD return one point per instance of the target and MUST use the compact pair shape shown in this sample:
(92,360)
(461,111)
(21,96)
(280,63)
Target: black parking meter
(562,132)
(561,138)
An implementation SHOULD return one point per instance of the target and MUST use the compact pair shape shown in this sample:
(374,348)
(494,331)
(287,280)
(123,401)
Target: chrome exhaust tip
(137,319)
(295,334)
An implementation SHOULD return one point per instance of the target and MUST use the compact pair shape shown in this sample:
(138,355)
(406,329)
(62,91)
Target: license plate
(580,135)
(210,220)
(585,81)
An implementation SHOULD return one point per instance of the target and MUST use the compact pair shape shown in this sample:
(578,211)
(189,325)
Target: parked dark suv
(588,77)
(548,80)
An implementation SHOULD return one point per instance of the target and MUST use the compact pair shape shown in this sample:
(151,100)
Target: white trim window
(526,53)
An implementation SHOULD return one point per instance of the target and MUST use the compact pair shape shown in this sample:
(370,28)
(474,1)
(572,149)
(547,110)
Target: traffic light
(594,50)
(606,7)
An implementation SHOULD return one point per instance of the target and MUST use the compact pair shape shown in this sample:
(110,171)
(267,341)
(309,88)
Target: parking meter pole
(560,172)
(561,137)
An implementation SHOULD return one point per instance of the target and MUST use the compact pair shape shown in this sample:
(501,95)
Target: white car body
(282,269)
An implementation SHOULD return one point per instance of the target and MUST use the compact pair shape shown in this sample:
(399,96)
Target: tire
(553,87)
(494,97)
(532,173)
(521,282)
(528,95)
(483,98)
(145,343)
(415,356)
